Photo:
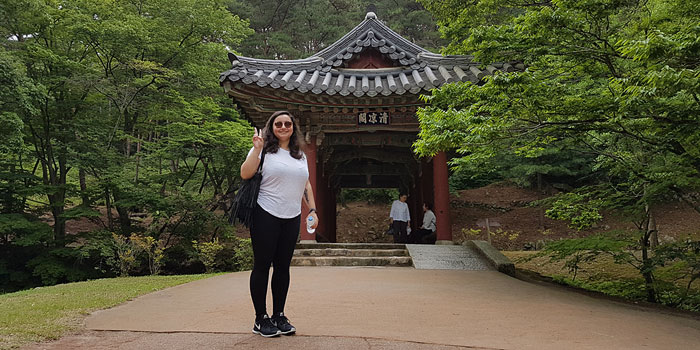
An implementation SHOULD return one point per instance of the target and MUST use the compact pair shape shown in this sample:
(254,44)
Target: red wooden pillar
(411,203)
(418,219)
(442,199)
(321,207)
(326,207)
(318,197)
(427,183)
(331,215)
(417,190)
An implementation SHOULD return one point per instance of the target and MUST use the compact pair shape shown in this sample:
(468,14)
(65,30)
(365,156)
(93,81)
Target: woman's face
(283,127)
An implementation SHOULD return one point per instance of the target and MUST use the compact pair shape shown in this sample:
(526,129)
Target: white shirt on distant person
(399,211)
(429,220)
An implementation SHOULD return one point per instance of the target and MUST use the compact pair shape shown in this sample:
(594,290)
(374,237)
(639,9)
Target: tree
(617,79)
(119,104)
(293,29)
(20,228)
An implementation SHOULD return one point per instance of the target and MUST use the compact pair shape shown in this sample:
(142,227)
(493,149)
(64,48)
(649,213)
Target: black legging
(273,244)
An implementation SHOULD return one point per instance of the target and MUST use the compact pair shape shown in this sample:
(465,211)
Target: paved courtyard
(386,308)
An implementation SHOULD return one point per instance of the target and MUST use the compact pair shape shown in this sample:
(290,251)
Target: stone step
(350,252)
(351,261)
(350,246)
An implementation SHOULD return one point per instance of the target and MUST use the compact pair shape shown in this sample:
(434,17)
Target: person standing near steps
(275,224)
(400,218)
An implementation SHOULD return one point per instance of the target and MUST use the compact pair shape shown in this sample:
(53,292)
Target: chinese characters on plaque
(373,118)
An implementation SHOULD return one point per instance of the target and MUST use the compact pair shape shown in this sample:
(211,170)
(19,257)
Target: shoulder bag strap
(262,159)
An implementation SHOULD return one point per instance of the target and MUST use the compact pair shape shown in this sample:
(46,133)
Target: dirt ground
(513,224)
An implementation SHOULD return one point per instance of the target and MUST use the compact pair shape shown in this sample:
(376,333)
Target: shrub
(243,252)
(206,252)
(125,253)
(152,248)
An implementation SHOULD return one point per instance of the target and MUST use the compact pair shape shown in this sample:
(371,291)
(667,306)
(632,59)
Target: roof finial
(371,12)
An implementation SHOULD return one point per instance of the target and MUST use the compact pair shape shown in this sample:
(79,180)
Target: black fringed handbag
(246,198)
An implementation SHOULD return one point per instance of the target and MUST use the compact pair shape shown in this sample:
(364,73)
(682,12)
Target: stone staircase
(351,254)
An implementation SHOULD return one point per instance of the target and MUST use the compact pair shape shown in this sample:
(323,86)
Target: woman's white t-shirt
(283,183)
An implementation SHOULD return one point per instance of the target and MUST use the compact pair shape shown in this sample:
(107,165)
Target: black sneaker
(265,328)
(282,323)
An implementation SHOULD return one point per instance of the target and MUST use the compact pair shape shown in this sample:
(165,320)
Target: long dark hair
(272,144)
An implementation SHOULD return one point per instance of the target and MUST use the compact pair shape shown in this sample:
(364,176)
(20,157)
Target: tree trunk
(108,203)
(57,208)
(83,188)
(138,159)
(653,231)
(57,200)
(128,128)
(647,269)
(124,220)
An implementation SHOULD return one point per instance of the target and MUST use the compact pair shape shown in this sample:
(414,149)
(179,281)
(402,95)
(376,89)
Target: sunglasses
(286,124)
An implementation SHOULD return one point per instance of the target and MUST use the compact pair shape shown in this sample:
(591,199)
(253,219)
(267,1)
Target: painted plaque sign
(373,118)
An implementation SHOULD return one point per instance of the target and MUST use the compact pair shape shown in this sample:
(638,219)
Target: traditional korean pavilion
(356,103)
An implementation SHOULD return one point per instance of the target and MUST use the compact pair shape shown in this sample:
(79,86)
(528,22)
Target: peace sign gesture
(257,139)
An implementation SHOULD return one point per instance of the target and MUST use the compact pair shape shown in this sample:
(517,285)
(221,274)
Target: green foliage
(613,84)
(578,209)
(670,271)
(680,262)
(524,167)
(369,195)
(207,251)
(467,175)
(152,248)
(575,252)
(24,231)
(243,253)
(297,29)
(628,289)
(118,104)
(97,251)
(125,251)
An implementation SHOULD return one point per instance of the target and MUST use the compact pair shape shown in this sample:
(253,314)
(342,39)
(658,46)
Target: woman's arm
(310,202)
(250,165)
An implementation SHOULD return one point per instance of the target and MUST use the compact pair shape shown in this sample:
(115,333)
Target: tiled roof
(323,73)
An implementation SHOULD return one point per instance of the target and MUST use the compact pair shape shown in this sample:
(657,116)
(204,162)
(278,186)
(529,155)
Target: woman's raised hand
(257,139)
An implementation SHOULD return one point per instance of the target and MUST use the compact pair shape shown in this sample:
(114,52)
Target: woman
(275,224)
(425,234)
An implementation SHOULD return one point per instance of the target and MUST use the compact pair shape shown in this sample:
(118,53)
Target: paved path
(385,308)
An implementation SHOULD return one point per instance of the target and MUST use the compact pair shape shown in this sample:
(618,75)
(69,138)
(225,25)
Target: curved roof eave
(417,70)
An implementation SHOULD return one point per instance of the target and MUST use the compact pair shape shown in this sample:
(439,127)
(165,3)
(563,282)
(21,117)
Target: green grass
(47,313)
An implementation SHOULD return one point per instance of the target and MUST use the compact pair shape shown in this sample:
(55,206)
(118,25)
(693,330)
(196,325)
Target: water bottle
(310,222)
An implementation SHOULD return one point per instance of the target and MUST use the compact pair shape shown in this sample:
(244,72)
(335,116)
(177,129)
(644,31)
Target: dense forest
(111,111)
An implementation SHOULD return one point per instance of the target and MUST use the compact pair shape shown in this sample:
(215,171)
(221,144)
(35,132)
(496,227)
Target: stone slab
(494,256)
(351,261)
(350,252)
(303,245)
(446,257)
